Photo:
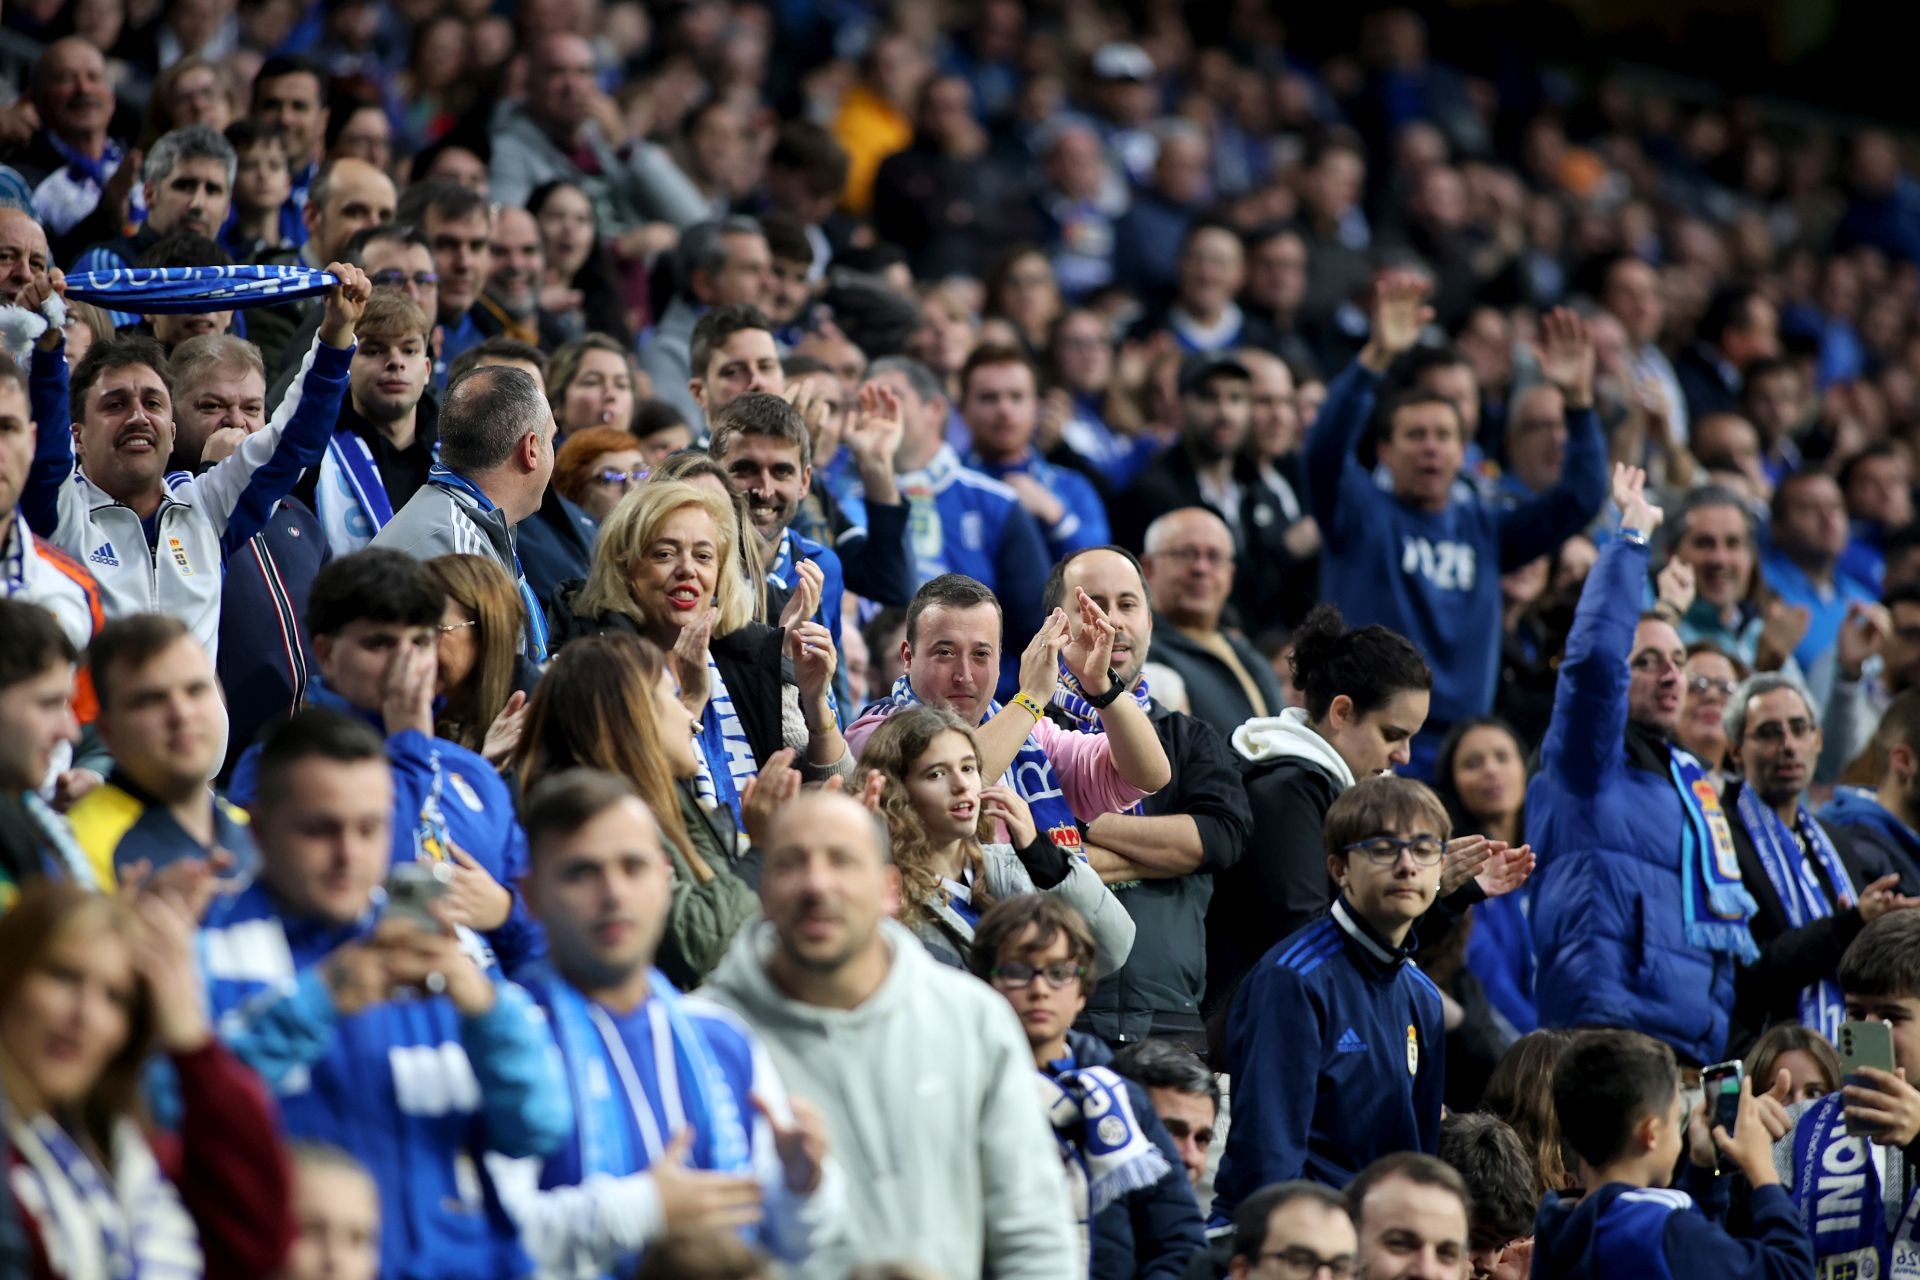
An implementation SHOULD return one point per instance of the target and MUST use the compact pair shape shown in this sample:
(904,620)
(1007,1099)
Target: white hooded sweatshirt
(1287,736)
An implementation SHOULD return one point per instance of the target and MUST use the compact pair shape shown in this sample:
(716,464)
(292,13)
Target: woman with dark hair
(1711,676)
(1520,1091)
(479,687)
(609,702)
(582,287)
(1023,291)
(89,986)
(1105,425)
(1366,692)
(936,805)
(590,383)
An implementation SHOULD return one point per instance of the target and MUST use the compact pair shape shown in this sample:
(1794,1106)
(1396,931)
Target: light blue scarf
(1715,904)
(351,497)
(1798,888)
(191,290)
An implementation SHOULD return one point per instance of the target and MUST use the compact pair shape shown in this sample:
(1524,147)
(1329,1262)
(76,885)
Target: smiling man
(1190,566)
(1335,1042)
(102,491)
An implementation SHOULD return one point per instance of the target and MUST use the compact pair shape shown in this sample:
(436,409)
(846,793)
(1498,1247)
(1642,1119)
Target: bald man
(23,253)
(1190,568)
(631,181)
(850,1006)
(347,197)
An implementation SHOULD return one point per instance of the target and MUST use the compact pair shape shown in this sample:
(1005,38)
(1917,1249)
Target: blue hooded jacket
(1620,1232)
(1606,818)
(1860,816)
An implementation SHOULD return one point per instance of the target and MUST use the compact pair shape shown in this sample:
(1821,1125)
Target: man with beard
(189,187)
(511,303)
(1159,857)
(1000,403)
(458,223)
(849,1005)
(81,177)
(1812,894)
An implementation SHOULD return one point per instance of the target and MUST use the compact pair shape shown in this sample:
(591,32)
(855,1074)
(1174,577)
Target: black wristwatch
(1114,690)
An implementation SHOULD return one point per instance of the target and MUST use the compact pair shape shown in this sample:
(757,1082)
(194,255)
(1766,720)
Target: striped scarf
(192,290)
(1791,873)
(725,759)
(126,1223)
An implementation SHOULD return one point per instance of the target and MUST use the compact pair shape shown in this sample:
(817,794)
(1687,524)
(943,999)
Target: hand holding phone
(1720,1085)
(412,890)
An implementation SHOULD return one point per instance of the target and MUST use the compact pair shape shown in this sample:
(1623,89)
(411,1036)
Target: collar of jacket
(1366,941)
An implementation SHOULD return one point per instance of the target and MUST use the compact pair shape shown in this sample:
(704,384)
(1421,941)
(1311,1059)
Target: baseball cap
(1197,370)
(1119,61)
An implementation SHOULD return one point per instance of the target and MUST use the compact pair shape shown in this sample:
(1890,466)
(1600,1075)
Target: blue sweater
(1606,818)
(413,1089)
(1434,576)
(1335,1044)
(1620,1232)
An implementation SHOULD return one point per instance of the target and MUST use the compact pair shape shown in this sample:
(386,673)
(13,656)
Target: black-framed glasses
(1302,1263)
(1711,684)
(394,276)
(1018,977)
(1384,851)
(612,475)
(1778,730)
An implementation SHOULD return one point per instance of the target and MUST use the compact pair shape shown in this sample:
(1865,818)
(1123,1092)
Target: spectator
(1103,425)
(1605,880)
(1283,582)
(934,805)
(598,466)
(720,261)
(1418,558)
(872,120)
(791,282)
(1813,1068)
(313,1011)
(1879,983)
(1486,1153)
(458,224)
(625,1176)
(193,90)
(590,383)
(945,198)
(1713,535)
(93,1186)
(1300,1080)
(733,353)
(1632,294)
(1739,327)
(1481,777)
(70,160)
(1809,529)
(1711,678)
(1152,250)
(659,561)
(1885,822)
(1811,898)
(1520,1092)
(387,431)
(478,701)
(611,703)
(36,720)
(806,173)
(511,300)
(336,1208)
(1136,1216)
(1185,1094)
(496,456)
(374,617)
(1000,404)
(982,1179)
(1878,485)
(1202,315)
(1302,1225)
(1161,857)
(290,95)
(1411,1212)
(1076,211)
(1022,290)
(1366,694)
(1190,569)
(124,402)
(42,574)
(562,132)
(188,186)
(1619,1100)
(1275,296)
(348,196)
(579,270)
(261,181)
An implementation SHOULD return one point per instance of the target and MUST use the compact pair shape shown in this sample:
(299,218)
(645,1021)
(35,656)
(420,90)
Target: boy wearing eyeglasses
(1135,1211)
(1335,1040)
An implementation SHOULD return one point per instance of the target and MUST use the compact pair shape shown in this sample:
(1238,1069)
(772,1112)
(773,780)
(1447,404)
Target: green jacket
(703,918)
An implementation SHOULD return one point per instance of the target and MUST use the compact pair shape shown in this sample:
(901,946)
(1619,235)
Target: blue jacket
(1500,953)
(1434,577)
(1336,1046)
(1151,1233)
(476,804)
(265,657)
(1085,522)
(414,1090)
(1869,825)
(1606,819)
(1619,1232)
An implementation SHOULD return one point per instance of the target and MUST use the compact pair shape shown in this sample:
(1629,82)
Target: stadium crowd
(722,640)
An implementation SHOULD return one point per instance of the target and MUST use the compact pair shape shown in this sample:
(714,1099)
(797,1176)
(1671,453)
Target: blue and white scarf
(351,497)
(1072,699)
(134,1224)
(447,478)
(191,290)
(1837,1188)
(72,191)
(1791,874)
(1715,903)
(723,741)
(1030,775)
(693,1092)
(1106,1153)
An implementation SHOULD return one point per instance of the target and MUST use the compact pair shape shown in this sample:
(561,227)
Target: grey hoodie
(931,1108)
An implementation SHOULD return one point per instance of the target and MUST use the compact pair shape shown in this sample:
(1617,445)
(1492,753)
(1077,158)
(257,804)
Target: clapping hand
(809,581)
(1466,857)
(1863,635)
(688,659)
(1507,868)
(1089,653)
(877,425)
(814,661)
(1630,495)
(768,792)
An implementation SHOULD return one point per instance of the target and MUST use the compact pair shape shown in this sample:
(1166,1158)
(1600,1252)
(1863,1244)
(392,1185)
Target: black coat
(1214,693)
(1154,1232)
(555,546)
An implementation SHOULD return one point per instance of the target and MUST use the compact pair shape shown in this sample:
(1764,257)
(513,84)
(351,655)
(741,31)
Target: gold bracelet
(1028,705)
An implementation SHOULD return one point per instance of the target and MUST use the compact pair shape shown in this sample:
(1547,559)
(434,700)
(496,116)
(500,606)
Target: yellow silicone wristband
(1028,705)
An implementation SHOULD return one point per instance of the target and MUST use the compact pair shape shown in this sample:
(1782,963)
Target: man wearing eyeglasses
(1189,565)
(1812,893)
(1334,1041)
(1295,1230)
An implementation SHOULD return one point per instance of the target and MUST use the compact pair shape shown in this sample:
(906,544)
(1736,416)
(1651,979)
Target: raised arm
(1538,526)
(48,401)
(1585,736)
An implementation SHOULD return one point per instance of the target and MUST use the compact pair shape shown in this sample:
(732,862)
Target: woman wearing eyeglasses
(936,804)
(1137,1216)
(481,686)
(1709,680)
(1335,1040)
(596,467)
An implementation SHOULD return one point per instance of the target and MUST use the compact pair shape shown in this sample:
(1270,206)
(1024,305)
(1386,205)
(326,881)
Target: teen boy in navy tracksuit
(1335,1038)
(1617,1096)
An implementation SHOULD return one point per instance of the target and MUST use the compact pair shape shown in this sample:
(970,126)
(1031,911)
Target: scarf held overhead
(191,290)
